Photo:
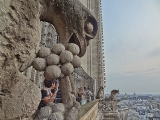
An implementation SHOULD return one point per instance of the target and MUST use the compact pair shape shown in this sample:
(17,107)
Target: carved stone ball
(66,56)
(89,28)
(52,72)
(58,48)
(50,104)
(62,75)
(72,113)
(67,68)
(76,62)
(52,59)
(45,112)
(39,64)
(73,48)
(59,107)
(41,119)
(44,52)
(56,116)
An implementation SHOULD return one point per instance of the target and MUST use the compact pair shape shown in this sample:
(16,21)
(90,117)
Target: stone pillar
(38,79)
(33,73)
(28,72)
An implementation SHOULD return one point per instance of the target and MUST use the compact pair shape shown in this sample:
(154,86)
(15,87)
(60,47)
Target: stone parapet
(88,111)
(91,114)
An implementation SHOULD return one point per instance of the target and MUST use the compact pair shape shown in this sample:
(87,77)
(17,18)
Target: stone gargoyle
(110,103)
(20,35)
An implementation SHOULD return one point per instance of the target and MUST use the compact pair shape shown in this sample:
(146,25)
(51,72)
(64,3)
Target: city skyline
(132,45)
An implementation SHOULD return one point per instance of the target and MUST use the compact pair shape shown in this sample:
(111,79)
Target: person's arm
(52,98)
(84,93)
(90,93)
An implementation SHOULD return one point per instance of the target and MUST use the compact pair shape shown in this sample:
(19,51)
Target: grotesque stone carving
(110,104)
(100,93)
(113,94)
(19,43)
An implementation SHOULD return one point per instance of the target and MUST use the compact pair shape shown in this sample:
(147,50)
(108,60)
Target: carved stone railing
(112,115)
(89,114)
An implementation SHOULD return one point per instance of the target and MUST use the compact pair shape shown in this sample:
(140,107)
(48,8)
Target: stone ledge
(85,108)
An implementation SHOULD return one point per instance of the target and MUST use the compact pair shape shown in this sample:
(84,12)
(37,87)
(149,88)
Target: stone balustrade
(91,113)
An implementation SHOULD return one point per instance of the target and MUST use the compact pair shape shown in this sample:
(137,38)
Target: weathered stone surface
(72,114)
(89,27)
(59,107)
(50,104)
(44,52)
(28,63)
(23,101)
(19,43)
(66,56)
(52,72)
(52,59)
(76,62)
(56,116)
(48,34)
(45,112)
(62,75)
(39,64)
(58,48)
(68,98)
(73,48)
(67,68)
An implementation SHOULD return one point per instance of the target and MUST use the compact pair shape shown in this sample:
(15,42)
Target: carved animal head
(114,92)
(74,23)
(21,28)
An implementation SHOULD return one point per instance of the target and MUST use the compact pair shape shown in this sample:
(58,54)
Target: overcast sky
(131,31)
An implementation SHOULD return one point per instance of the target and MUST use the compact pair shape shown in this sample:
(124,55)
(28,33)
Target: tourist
(81,96)
(58,98)
(89,94)
(47,94)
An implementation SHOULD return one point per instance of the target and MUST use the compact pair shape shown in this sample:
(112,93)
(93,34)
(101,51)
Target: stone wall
(93,60)
(20,36)
(49,37)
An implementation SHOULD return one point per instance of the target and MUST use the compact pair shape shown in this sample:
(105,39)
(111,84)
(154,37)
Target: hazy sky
(131,31)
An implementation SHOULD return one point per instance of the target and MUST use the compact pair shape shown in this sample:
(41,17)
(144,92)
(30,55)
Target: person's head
(49,83)
(81,89)
(84,88)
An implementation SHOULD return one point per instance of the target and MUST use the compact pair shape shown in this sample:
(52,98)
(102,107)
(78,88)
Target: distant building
(133,117)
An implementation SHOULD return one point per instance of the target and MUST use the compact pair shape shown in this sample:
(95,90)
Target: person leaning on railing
(81,96)
(89,94)
(47,94)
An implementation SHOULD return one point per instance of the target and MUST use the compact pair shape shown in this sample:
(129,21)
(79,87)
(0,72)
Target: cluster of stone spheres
(51,112)
(59,61)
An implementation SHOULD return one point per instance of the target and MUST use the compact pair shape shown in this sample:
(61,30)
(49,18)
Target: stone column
(38,79)
(33,74)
